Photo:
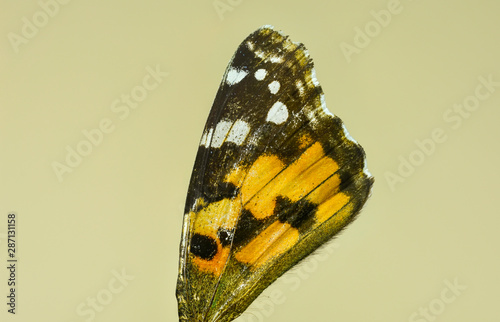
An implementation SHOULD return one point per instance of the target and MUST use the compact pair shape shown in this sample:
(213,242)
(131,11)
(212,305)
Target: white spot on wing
(275,59)
(259,54)
(350,138)
(220,133)
(260,74)
(323,105)
(238,132)
(278,113)
(365,169)
(300,87)
(250,45)
(206,138)
(347,135)
(267,27)
(274,87)
(313,77)
(311,116)
(234,76)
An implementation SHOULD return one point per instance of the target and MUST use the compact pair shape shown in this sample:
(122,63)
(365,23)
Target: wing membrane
(275,177)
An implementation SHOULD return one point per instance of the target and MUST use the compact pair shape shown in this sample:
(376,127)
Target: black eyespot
(203,246)
(225,237)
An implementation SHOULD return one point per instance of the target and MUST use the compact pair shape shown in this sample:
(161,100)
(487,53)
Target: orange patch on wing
(207,222)
(216,264)
(223,213)
(261,173)
(272,242)
(236,176)
(325,191)
(331,207)
(294,182)
(308,172)
(304,141)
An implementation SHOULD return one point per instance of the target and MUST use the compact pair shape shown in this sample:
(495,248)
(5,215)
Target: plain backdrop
(417,83)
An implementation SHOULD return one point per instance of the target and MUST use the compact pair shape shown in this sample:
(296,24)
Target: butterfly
(276,176)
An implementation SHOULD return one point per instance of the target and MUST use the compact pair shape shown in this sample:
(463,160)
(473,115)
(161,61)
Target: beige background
(120,209)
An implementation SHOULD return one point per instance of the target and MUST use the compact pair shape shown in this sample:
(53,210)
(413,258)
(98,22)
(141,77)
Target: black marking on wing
(203,246)
(247,228)
(225,236)
(295,213)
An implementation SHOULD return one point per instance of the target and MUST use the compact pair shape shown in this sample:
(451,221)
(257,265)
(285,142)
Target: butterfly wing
(275,177)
